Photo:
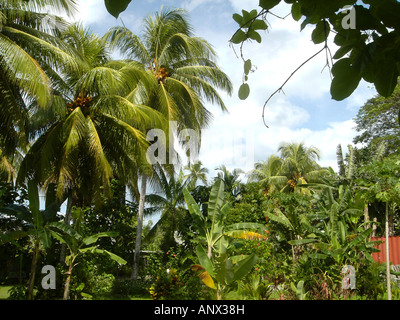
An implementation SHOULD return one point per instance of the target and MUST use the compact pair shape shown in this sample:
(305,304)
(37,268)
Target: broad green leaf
(115,7)
(360,238)
(247,66)
(195,212)
(345,81)
(342,51)
(386,77)
(93,238)
(238,18)
(226,273)
(254,35)
(259,25)
(66,230)
(204,260)
(244,91)
(318,256)
(113,256)
(239,37)
(244,266)
(296,11)
(45,237)
(300,241)
(248,17)
(281,218)
(321,32)
(268,4)
(216,199)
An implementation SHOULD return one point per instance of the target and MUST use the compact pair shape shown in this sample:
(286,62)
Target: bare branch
(287,80)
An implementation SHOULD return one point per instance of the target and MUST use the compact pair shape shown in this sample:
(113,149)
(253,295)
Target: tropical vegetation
(77,191)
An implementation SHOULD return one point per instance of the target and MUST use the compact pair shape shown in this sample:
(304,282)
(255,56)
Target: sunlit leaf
(244,91)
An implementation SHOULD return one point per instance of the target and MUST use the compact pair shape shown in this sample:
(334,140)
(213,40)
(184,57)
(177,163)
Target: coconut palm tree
(29,52)
(299,165)
(168,200)
(185,72)
(231,179)
(92,132)
(267,174)
(196,172)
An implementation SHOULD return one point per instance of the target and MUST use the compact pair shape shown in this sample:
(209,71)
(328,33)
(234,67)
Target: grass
(4,292)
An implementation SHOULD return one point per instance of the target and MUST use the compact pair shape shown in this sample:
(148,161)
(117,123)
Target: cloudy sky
(305,111)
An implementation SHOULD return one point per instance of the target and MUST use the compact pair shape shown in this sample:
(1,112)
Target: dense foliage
(73,147)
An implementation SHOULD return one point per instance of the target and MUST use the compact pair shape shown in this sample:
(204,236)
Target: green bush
(170,277)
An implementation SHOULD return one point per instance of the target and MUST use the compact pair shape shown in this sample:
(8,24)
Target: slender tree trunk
(33,270)
(374,227)
(389,290)
(139,228)
(67,282)
(391,221)
(67,221)
(366,217)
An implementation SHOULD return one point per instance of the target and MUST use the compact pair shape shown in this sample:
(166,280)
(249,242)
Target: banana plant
(36,225)
(78,244)
(221,271)
(337,239)
(212,227)
(218,271)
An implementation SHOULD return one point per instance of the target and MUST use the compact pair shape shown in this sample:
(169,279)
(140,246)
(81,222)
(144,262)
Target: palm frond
(19,65)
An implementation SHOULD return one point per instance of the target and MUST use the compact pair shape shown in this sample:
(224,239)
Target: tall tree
(29,52)
(196,172)
(267,174)
(231,179)
(299,165)
(168,200)
(185,72)
(378,120)
(91,133)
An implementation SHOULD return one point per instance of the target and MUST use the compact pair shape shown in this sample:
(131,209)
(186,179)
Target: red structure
(394,250)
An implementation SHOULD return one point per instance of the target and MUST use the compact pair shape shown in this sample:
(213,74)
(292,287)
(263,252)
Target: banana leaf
(101,251)
(301,241)
(204,276)
(244,266)
(204,260)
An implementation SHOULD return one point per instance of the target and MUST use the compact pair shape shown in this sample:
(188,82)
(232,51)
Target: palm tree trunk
(67,221)
(139,228)
(33,270)
(67,282)
(389,290)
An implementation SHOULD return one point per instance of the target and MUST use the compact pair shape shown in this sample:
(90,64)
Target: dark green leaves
(296,11)
(115,7)
(244,91)
(346,79)
(269,4)
(249,23)
(239,37)
(321,32)
(247,67)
